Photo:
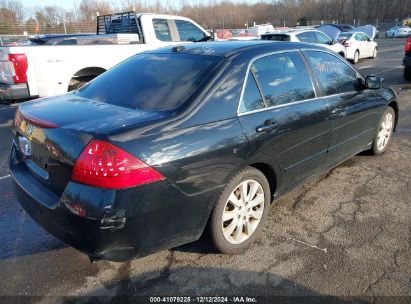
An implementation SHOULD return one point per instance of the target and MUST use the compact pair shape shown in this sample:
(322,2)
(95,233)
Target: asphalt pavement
(345,234)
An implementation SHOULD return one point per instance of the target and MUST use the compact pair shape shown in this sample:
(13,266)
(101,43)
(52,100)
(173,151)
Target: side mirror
(374,82)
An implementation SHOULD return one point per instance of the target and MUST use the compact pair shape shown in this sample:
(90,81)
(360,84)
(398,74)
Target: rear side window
(152,82)
(276,37)
(334,74)
(283,78)
(67,42)
(344,36)
(251,99)
(309,37)
(162,30)
(188,31)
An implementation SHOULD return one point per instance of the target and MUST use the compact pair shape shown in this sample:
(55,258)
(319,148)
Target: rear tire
(75,85)
(356,57)
(407,73)
(384,132)
(237,219)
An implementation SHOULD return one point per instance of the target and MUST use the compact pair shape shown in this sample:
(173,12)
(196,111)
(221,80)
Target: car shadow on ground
(200,282)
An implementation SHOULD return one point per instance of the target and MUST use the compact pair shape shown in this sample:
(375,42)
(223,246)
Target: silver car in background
(398,32)
(306,35)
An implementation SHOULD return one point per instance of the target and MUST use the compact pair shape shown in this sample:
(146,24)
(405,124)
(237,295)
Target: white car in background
(306,35)
(358,45)
(398,31)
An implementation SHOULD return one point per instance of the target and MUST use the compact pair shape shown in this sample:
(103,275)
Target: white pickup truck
(51,69)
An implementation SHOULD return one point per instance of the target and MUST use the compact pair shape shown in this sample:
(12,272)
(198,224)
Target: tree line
(17,18)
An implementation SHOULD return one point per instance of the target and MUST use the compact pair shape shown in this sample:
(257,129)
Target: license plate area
(35,157)
(39,157)
(38,161)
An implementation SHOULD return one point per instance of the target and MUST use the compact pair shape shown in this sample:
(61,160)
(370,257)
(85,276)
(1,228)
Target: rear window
(151,82)
(277,37)
(344,35)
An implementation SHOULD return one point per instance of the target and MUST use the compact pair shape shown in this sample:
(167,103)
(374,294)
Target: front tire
(374,54)
(384,133)
(240,212)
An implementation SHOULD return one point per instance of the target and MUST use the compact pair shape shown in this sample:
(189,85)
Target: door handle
(269,126)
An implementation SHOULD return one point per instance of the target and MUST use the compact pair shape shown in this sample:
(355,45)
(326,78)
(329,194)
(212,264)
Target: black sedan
(146,155)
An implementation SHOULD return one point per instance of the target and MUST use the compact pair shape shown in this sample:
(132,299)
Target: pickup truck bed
(48,70)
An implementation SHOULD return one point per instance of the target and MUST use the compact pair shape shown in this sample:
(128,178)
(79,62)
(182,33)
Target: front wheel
(374,53)
(241,211)
(385,129)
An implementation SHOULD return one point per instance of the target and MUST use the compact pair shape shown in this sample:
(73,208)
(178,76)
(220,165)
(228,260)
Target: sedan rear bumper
(120,224)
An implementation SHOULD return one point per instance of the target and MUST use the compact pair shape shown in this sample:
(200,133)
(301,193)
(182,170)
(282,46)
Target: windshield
(152,82)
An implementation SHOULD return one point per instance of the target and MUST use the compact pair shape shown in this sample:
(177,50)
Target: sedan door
(282,118)
(361,45)
(369,45)
(354,110)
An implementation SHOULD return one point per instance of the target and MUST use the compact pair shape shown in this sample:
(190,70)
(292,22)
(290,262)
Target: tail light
(347,43)
(104,165)
(20,65)
(407,47)
(18,118)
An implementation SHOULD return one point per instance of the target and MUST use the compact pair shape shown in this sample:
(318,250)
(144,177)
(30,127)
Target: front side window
(188,31)
(358,37)
(283,78)
(365,37)
(334,74)
(162,30)
(322,38)
(309,37)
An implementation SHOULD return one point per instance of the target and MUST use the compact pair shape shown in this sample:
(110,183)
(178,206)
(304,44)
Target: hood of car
(330,31)
(370,30)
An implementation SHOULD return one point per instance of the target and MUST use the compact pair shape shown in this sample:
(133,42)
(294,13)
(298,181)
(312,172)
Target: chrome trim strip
(295,102)
(289,104)
(297,51)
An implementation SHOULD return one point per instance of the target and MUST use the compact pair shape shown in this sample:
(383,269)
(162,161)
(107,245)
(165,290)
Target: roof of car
(230,48)
(353,32)
(291,31)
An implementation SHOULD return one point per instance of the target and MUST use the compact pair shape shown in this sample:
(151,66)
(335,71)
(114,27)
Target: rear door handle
(269,126)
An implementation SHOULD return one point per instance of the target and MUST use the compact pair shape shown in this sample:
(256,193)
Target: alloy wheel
(356,57)
(243,212)
(385,131)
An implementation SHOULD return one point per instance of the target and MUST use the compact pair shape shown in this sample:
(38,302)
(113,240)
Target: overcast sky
(62,3)
(69,3)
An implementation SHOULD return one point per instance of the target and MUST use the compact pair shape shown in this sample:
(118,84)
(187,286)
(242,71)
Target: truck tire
(76,84)
(407,73)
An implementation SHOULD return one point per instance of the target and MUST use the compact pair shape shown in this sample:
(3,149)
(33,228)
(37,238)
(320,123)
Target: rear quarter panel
(194,159)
